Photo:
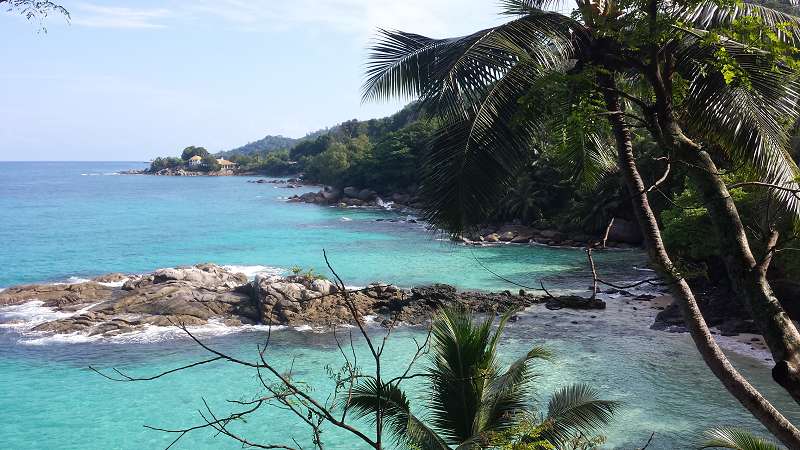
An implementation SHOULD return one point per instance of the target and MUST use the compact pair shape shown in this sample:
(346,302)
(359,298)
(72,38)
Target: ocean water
(62,221)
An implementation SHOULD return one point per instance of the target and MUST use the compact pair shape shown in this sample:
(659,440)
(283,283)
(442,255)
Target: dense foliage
(191,151)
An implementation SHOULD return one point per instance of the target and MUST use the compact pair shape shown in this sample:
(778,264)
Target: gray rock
(508,236)
(494,237)
(324,287)
(56,294)
(574,302)
(331,194)
(625,231)
(367,195)
(351,191)
(551,234)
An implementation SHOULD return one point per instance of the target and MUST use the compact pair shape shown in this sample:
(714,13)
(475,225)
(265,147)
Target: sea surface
(63,222)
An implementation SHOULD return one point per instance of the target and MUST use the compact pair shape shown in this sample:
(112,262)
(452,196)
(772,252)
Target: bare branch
(126,378)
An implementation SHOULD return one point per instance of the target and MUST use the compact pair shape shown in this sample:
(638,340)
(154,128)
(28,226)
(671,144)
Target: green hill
(266,145)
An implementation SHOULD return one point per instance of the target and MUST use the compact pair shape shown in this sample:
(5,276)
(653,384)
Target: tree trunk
(747,276)
(713,356)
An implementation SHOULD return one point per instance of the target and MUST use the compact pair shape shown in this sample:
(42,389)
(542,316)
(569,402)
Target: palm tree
(475,82)
(736,439)
(470,397)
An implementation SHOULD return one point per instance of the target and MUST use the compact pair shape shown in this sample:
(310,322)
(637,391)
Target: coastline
(638,307)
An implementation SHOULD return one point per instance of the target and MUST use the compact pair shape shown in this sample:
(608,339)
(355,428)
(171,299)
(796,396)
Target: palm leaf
(509,395)
(576,409)
(451,73)
(747,119)
(406,428)
(473,160)
(522,7)
(711,15)
(737,439)
(582,150)
(461,369)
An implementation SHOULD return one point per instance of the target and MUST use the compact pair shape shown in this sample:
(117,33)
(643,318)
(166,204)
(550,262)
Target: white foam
(27,315)
(345,219)
(72,280)
(72,338)
(147,335)
(251,271)
(383,204)
(114,284)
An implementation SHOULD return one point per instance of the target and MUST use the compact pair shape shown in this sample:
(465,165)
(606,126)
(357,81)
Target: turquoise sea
(62,221)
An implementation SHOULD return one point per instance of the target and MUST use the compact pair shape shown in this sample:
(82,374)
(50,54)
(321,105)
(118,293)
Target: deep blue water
(62,220)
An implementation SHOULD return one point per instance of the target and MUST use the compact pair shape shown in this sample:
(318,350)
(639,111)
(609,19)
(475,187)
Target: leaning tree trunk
(747,276)
(713,356)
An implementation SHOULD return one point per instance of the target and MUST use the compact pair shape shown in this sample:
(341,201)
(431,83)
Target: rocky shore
(289,183)
(195,295)
(179,172)
(622,234)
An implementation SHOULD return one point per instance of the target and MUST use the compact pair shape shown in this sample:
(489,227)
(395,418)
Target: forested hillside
(267,144)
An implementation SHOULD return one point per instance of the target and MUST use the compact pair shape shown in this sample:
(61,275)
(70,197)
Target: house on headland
(195,161)
(224,164)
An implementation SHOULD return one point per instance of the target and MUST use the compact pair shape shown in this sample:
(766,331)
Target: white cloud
(355,17)
(358,18)
(100,16)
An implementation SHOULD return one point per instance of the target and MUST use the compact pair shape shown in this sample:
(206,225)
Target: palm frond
(734,438)
(451,73)
(583,152)
(473,160)
(748,119)
(461,369)
(522,7)
(713,15)
(576,409)
(509,394)
(365,401)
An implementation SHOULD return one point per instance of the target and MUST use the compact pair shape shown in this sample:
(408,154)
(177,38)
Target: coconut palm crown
(469,396)
(475,83)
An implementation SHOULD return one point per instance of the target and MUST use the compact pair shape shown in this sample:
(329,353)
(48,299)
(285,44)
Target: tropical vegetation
(715,91)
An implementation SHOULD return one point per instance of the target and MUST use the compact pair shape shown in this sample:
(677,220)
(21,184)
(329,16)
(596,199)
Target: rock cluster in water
(352,196)
(115,303)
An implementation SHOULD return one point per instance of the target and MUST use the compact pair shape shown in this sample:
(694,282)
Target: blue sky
(129,80)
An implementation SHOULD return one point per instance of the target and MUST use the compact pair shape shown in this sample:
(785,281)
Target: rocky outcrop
(352,196)
(190,295)
(56,295)
(623,234)
(195,295)
(520,234)
(719,307)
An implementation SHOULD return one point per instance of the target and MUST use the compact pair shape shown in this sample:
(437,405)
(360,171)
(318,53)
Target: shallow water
(58,223)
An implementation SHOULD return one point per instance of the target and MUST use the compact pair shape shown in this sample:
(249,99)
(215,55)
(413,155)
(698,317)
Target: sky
(131,80)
